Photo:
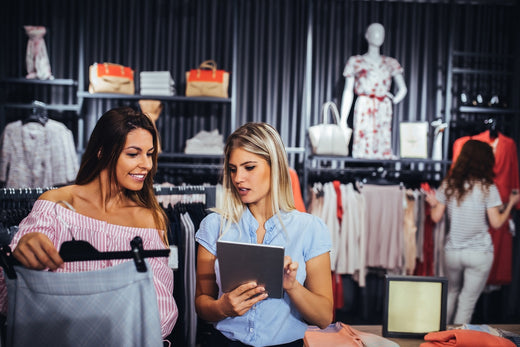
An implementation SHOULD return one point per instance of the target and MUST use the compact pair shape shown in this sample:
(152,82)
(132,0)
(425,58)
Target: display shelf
(186,160)
(52,107)
(402,161)
(474,74)
(177,98)
(458,70)
(488,110)
(64,83)
(53,82)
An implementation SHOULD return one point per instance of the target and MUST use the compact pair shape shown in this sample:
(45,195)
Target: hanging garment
(384,221)
(373,109)
(35,155)
(352,256)
(115,306)
(297,192)
(190,315)
(507,178)
(410,230)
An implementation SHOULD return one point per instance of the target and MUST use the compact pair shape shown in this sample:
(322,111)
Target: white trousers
(467,272)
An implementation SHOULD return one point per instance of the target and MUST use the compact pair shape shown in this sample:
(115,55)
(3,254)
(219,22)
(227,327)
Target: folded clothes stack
(205,142)
(156,83)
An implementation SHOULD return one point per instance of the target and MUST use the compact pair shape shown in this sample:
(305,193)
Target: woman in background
(473,204)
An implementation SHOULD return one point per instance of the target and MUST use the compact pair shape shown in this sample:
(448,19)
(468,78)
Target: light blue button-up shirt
(270,321)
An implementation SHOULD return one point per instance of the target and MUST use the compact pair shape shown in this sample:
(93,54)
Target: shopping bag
(111,78)
(207,81)
(328,138)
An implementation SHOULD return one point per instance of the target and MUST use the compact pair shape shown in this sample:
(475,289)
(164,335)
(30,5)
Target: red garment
(506,179)
(336,279)
(506,161)
(425,267)
(297,192)
(465,338)
(337,292)
(337,188)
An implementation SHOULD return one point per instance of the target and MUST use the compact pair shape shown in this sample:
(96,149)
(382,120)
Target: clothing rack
(15,205)
(210,192)
(22,193)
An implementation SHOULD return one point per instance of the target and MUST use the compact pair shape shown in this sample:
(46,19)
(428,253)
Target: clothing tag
(173,259)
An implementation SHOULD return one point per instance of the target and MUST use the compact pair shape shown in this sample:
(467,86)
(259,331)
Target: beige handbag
(111,78)
(330,139)
(207,81)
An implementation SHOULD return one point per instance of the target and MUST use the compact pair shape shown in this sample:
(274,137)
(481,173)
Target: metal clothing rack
(210,191)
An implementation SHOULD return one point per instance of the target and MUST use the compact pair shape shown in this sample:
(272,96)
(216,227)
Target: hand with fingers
(289,273)
(36,251)
(241,299)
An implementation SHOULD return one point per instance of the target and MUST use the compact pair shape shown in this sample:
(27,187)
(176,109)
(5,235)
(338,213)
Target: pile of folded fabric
(465,338)
(205,142)
(156,83)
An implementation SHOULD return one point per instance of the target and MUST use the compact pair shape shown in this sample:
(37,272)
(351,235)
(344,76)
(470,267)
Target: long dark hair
(104,148)
(474,165)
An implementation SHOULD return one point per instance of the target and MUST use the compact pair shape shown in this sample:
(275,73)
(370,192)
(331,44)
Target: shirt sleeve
(208,232)
(440,194)
(320,241)
(350,70)
(395,67)
(163,283)
(493,198)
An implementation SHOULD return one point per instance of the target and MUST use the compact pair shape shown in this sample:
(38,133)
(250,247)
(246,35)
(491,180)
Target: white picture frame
(413,139)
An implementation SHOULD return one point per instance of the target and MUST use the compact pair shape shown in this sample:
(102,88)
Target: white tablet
(244,262)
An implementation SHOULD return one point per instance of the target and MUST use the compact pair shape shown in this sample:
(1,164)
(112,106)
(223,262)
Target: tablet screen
(244,262)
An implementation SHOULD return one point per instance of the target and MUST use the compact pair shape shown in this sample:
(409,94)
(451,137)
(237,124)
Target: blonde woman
(259,208)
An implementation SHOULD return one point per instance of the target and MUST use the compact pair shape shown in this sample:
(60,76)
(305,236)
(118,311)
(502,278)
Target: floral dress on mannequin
(373,108)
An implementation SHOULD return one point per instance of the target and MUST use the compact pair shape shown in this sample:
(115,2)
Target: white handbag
(330,139)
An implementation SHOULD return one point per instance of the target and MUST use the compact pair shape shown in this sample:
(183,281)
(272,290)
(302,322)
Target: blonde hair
(263,140)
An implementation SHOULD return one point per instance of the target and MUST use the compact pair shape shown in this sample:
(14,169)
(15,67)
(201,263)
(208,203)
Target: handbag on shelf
(330,139)
(207,81)
(111,78)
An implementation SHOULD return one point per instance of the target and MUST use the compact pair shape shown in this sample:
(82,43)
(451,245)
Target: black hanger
(77,250)
(492,126)
(38,113)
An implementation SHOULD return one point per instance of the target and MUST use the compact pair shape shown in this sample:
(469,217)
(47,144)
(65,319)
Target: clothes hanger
(38,113)
(492,127)
(77,250)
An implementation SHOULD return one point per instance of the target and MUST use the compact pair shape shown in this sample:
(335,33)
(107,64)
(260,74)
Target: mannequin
(370,77)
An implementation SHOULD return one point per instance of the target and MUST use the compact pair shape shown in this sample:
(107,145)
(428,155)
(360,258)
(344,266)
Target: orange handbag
(111,78)
(207,81)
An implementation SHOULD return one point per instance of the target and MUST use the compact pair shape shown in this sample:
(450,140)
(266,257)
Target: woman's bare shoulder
(65,193)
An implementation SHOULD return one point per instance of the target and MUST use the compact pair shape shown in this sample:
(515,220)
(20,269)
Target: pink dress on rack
(373,109)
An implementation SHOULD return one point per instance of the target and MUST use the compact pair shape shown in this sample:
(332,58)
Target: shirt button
(250,330)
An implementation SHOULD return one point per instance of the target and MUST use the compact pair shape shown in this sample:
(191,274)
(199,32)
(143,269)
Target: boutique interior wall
(286,56)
